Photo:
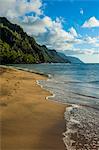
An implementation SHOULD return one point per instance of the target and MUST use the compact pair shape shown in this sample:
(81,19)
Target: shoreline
(51,93)
(43,127)
(24,69)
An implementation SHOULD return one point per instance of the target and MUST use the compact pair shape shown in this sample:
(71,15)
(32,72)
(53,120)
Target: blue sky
(69,26)
(74,12)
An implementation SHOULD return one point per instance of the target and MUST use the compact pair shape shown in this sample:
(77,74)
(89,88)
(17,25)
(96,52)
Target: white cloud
(6,5)
(73,32)
(36,25)
(85,51)
(23,6)
(49,32)
(91,41)
(55,36)
(81,11)
(47,21)
(92,22)
(20,7)
(87,41)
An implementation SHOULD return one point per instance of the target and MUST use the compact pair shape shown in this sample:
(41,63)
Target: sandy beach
(27,120)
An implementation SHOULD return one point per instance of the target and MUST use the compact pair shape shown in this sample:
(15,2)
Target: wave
(89,106)
(90,82)
(89,96)
(94,82)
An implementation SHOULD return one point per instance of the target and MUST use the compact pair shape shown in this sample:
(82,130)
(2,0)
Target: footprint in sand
(3,104)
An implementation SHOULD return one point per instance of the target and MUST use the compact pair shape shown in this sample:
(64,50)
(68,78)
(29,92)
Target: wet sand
(27,120)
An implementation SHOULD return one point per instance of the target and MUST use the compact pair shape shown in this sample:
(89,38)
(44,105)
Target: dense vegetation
(17,47)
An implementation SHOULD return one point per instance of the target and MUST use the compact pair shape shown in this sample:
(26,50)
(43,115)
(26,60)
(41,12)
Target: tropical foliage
(17,47)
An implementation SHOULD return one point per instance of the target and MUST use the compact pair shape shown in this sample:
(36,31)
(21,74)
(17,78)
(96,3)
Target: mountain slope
(71,59)
(17,47)
(74,60)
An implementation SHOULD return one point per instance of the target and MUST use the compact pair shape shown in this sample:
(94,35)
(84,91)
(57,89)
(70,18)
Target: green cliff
(18,47)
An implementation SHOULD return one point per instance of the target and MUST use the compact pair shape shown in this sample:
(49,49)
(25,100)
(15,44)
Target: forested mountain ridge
(18,47)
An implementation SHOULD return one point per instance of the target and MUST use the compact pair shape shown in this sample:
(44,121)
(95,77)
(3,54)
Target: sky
(68,26)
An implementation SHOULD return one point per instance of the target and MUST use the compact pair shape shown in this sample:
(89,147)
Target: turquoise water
(77,85)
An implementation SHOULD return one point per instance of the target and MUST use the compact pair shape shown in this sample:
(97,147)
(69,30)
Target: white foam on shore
(70,122)
(74,121)
(52,94)
(82,128)
(72,107)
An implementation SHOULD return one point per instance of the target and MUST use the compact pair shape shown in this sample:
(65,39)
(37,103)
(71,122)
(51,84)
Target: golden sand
(28,120)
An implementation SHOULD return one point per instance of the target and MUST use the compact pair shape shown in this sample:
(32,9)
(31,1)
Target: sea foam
(82,128)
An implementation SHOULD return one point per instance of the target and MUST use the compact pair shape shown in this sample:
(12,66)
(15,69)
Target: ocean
(77,85)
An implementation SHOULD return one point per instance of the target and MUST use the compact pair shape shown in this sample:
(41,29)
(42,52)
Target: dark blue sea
(78,85)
